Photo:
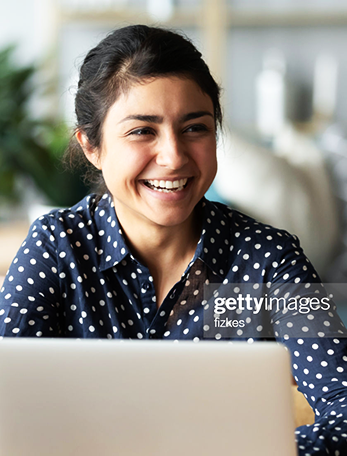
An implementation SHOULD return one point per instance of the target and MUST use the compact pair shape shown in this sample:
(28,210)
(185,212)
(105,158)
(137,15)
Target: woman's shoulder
(243,226)
(84,208)
(87,212)
(83,229)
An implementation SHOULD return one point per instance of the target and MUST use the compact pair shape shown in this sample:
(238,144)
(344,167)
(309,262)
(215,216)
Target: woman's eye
(196,128)
(141,132)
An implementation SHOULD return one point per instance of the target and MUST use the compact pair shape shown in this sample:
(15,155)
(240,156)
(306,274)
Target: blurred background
(282,66)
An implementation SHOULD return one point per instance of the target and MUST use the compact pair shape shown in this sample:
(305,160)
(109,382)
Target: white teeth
(167,185)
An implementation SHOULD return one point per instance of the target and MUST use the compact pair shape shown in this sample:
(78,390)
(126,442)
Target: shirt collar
(213,247)
(214,244)
(111,244)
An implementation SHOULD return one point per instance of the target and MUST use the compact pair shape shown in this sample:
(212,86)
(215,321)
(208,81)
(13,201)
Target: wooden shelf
(294,18)
(186,17)
(191,17)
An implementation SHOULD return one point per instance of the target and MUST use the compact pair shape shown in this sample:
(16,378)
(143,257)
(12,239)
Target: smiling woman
(158,159)
(135,260)
(158,152)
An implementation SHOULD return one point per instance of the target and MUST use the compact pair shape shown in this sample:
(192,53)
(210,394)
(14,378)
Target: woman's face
(158,154)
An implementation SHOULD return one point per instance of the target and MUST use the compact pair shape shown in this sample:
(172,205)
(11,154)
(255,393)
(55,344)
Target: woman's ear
(90,152)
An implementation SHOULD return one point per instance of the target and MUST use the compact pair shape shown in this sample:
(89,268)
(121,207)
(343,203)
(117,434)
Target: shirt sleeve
(29,297)
(319,362)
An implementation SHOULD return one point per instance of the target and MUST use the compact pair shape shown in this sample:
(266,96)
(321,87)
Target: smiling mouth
(166,186)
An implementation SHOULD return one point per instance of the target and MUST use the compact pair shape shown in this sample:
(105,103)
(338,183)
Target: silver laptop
(147,398)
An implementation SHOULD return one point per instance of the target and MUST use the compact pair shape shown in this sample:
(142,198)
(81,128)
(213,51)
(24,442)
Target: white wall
(27,23)
(32,23)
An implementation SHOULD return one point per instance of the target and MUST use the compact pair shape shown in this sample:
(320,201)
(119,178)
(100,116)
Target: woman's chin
(169,218)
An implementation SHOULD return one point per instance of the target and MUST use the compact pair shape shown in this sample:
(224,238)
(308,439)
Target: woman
(131,261)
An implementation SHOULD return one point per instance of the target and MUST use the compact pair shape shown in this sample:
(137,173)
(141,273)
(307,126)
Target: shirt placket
(148,300)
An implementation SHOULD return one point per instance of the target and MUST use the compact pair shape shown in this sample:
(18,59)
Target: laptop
(63,397)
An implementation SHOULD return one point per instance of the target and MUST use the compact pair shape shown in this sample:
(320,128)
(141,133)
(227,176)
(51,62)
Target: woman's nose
(171,153)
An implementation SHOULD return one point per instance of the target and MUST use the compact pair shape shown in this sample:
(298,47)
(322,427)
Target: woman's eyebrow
(196,115)
(144,118)
(160,119)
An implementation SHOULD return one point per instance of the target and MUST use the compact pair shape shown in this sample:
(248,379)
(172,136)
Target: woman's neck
(165,250)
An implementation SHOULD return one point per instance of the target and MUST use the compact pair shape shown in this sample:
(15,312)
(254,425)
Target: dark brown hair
(128,55)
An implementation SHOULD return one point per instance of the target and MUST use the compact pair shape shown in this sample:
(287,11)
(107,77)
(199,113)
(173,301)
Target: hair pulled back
(126,56)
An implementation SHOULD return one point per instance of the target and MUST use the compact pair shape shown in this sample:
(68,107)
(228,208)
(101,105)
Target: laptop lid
(157,398)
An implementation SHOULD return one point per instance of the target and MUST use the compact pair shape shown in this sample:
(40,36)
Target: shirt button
(146,286)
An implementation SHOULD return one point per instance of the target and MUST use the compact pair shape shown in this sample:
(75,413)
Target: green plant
(28,146)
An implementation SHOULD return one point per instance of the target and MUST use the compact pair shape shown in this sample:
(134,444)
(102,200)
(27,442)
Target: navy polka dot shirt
(74,276)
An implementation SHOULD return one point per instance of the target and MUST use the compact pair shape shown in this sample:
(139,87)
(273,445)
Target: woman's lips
(166,186)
